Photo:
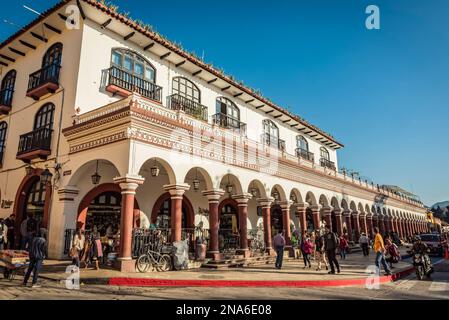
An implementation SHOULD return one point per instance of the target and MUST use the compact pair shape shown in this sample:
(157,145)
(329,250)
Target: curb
(139,282)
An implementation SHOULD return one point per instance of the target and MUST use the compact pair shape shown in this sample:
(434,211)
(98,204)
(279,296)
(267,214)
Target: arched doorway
(277,221)
(228,232)
(32,198)
(104,200)
(103,212)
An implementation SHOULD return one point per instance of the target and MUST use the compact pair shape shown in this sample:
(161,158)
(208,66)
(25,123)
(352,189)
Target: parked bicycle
(160,262)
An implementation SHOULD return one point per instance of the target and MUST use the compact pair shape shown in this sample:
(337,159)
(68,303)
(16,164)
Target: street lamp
(196,182)
(229,186)
(275,195)
(155,169)
(45,177)
(293,198)
(96,177)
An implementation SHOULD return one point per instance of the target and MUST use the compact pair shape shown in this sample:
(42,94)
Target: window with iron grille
(186,89)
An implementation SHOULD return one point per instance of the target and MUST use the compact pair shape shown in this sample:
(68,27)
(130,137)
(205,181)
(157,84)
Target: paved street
(407,288)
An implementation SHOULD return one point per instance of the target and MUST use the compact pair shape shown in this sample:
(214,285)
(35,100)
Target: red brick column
(213,196)
(316,216)
(369,225)
(265,204)
(362,219)
(242,201)
(177,192)
(400,228)
(347,217)
(381,224)
(355,219)
(129,185)
(327,216)
(338,218)
(285,206)
(301,214)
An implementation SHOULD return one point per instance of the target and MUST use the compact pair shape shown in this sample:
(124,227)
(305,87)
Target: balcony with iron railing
(190,107)
(44,81)
(230,123)
(273,141)
(6,96)
(124,84)
(35,144)
(325,163)
(304,154)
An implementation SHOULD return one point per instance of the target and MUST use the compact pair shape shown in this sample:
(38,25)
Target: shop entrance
(228,235)
(35,202)
(277,222)
(103,214)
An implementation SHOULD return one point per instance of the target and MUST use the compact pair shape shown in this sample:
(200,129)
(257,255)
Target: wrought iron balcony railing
(39,139)
(193,108)
(327,164)
(227,122)
(273,141)
(49,74)
(6,97)
(131,83)
(304,154)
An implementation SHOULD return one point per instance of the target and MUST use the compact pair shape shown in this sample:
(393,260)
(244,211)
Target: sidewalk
(353,272)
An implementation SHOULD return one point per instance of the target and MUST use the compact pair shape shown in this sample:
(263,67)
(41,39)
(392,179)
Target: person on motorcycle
(420,247)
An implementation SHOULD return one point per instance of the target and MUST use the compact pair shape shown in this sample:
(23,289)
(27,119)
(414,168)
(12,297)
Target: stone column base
(128,266)
(216,256)
(246,253)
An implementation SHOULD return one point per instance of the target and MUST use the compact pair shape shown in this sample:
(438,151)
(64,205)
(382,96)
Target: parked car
(435,243)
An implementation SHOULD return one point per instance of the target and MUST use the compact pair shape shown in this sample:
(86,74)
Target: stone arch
(87,169)
(344,205)
(360,208)
(261,189)
(229,178)
(94,193)
(311,199)
(202,175)
(334,204)
(190,212)
(281,192)
(20,200)
(295,193)
(164,166)
(323,201)
(353,206)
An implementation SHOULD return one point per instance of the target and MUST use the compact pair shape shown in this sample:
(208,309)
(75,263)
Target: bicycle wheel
(143,263)
(164,263)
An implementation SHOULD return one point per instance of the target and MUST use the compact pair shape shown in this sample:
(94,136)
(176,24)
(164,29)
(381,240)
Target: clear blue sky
(384,94)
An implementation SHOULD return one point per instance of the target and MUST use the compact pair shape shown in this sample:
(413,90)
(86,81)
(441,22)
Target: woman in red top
(307,248)
(343,246)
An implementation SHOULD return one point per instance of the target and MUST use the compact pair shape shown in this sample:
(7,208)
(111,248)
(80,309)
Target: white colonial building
(124,127)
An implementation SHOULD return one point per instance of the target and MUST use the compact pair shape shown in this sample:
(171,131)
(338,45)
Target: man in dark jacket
(330,245)
(38,251)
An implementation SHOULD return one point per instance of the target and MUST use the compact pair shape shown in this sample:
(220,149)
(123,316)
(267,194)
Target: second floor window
(53,56)
(7,88)
(186,89)
(324,154)
(133,64)
(228,108)
(44,117)
(270,129)
(302,144)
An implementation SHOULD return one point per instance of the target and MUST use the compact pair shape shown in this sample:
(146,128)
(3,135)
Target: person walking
(279,244)
(77,247)
(392,252)
(3,235)
(38,251)
(343,247)
(319,249)
(364,243)
(330,245)
(11,223)
(379,249)
(307,249)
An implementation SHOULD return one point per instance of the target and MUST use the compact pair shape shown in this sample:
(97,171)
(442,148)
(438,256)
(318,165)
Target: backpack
(31,225)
